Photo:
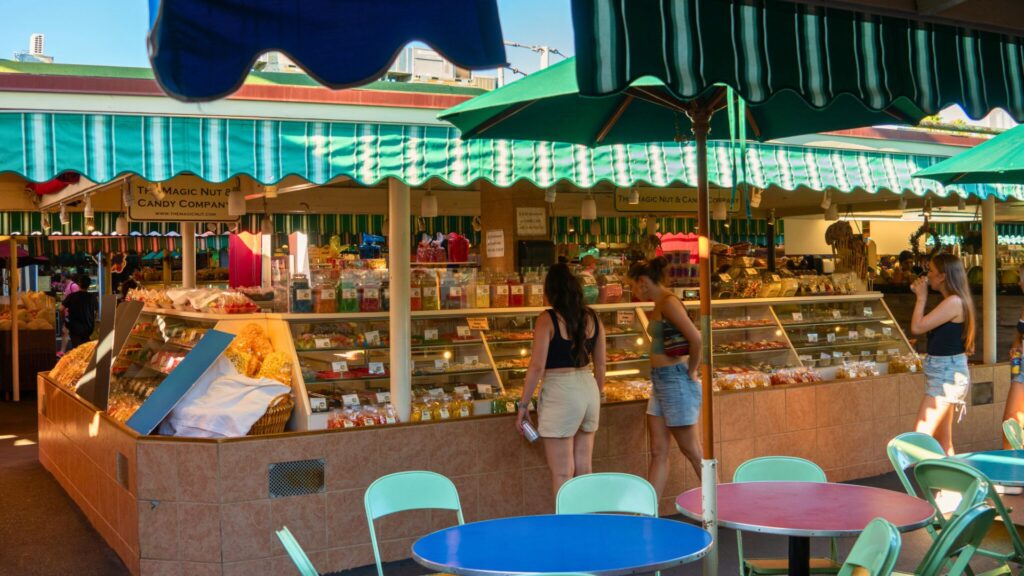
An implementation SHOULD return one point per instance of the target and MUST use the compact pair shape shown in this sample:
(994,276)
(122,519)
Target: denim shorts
(949,380)
(675,396)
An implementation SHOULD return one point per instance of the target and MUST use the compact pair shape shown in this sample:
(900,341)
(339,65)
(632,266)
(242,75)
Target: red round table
(802,510)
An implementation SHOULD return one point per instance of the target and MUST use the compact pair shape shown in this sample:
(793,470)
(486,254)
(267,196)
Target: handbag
(672,340)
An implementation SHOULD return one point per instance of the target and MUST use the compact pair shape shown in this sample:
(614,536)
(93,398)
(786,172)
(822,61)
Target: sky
(113,32)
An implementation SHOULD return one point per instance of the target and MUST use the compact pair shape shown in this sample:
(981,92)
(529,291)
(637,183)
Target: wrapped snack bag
(277,366)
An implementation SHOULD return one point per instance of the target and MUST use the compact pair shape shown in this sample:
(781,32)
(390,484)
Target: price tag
(425,415)
(837,355)
(812,337)
(501,289)
(383,397)
(837,314)
(436,391)
(517,289)
(798,317)
(377,368)
(865,354)
(894,352)
(349,424)
(537,289)
(625,317)
(461,390)
(350,400)
(483,291)
(390,418)
(472,360)
(480,323)
(483,389)
(775,278)
(327,294)
(369,421)
(371,293)
(322,342)
(443,413)
(825,356)
(429,292)
(340,366)
(869,333)
(886,331)
(853,335)
(304,294)
(349,294)
(430,334)
(751,271)
(831,337)
(725,277)
(510,406)
(464,411)
(372,338)
(441,364)
(318,404)
(415,292)
(455,292)
(463,331)
(868,311)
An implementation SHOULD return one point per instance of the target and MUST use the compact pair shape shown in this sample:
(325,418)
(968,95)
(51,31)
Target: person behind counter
(81,312)
(1015,397)
(567,339)
(674,406)
(950,329)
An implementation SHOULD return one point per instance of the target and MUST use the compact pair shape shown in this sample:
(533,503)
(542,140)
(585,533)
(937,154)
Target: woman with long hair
(950,329)
(674,407)
(569,357)
(1015,397)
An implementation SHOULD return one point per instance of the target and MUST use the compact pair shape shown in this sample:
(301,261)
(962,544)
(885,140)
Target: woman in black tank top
(950,329)
(1015,397)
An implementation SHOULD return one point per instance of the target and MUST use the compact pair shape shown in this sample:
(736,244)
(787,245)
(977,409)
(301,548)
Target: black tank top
(560,349)
(946,340)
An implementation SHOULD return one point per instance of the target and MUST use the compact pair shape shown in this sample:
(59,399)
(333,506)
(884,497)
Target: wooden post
(12,269)
(400,317)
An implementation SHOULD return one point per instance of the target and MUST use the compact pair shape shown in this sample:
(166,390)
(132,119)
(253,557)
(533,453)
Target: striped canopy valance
(101,146)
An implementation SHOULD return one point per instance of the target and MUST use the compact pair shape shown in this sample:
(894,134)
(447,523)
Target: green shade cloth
(40,146)
(820,58)
(1000,160)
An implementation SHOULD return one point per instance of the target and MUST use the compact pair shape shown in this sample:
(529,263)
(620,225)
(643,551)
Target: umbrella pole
(700,117)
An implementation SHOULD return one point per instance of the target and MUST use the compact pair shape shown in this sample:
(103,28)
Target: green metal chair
(295,552)
(908,449)
(781,469)
(958,542)
(607,492)
(1014,434)
(875,550)
(1002,542)
(403,491)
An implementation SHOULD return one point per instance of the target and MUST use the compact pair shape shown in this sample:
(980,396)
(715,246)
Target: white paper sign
(472,360)
(436,391)
(812,337)
(798,317)
(377,368)
(350,400)
(340,366)
(430,334)
(383,397)
(531,221)
(351,294)
(537,289)
(483,389)
(495,243)
(322,342)
(463,331)
(303,294)
(372,338)
(625,317)
(461,390)
(837,314)
(854,335)
(327,294)
(441,364)
(831,338)
(455,292)
(868,311)
(886,331)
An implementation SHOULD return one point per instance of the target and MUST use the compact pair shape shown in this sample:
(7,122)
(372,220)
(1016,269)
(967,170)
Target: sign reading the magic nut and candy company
(673,200)
(182,199)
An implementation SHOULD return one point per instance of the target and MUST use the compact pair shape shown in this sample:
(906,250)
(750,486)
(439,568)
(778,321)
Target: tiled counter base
(205,507)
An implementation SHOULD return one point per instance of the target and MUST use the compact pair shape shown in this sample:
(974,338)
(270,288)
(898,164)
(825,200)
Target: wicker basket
(276,417)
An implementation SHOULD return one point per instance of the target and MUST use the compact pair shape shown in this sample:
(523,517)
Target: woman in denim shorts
(674,407)
(1015,398)
(950,329)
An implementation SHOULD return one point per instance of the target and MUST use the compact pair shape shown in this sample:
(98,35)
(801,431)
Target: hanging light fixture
(270,191)
(588,210)
(428,205)
(832,213)
(549,195)
(634,196)
(90,224)
(64,215)
(903,204)
(89,212)
(236,203)
(927,212)
(595,228)
(826,200)
(961,204)
(45,220)
(267,226)
(121,226)
(719,210)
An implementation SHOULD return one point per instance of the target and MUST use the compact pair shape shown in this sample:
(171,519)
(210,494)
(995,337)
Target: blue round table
(1004,467)
(603,544)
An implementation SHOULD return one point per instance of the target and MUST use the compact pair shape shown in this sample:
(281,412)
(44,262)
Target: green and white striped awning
(40,146)
(771,49)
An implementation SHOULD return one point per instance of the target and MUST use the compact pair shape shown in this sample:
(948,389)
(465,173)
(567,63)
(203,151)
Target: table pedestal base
(799,556)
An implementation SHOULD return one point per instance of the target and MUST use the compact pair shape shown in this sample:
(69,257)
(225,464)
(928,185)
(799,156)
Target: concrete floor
(42,532)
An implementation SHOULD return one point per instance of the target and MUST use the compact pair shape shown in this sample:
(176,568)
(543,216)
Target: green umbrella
(998,161)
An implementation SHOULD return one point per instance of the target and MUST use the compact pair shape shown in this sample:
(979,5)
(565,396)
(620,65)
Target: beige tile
(160,568)
(886,397)
(344,451)
(500,494)
(1000,382)
(769,412)
(258,567)
(912,389)
(396,549)
(305,517)
(199,532)
(885,429)
(242,471)
(734,453)
(406,448)
(403,525)
(157,471)
(981,424)
(468,488)
(201,569)
(197,472)
(455,450)
(533,455)
(127,525)
(627,427)
(501,447)
(801,408)
(346,519)
(737,415)
(799,444)
(284,566)
(158,530)
(290,449)
(245,530)
(981,374)
(348,557)
(107,505)
(537,495)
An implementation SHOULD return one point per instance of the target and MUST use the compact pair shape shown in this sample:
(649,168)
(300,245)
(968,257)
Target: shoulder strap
(557,332)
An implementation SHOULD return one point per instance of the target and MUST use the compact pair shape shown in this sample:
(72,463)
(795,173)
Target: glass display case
(748,345)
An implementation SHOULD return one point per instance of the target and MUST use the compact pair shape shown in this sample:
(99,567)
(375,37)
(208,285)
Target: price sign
(775,278)
(383,397)
(425,416)
(812,337)
(894,352)
(825,356)
(372,338)
(483,389)
(480,323)
(837,355)
(461,390)
(751,271)
(455,292)
(441,364)
(798,317)
(349,424)
(340,366)
(429,292)
(414,292)
(327,294)
(350,294)
(537,289)
(463,331)
(430,334)
(371,293)
(865,354)
(369,421)
(377,368)
(472,360)
(837,314)
(869,333)
(304,294)
(322,342)
(886,331)
(854,335)
(317,404)
(518,290)
(625,317)
(501,289)
(725,277)
(390,418)
(436,391)
(443,413)
(831,337)
(483,291)
(868,311)
(350,400)
(464,411)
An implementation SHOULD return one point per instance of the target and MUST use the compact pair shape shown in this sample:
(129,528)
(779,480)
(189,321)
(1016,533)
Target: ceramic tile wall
(204,507)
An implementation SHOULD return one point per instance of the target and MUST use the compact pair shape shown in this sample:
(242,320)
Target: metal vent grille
(296,478)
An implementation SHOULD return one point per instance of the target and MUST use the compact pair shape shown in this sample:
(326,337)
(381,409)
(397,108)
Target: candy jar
(499,291)
(428,292)
(369,300)
(324,295)
(347,294)
(516,292)
(301,294)
(482,291)
(534,290)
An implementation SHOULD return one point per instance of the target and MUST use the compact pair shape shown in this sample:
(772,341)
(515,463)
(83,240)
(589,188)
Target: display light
(634,196)
(549,195)
(961,204)
(428,205)
(64,219)
(588,210)
(89,212)
(121,226)
(832,213)
(719,210)
(236,203)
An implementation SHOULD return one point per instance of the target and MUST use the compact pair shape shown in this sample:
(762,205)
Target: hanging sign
(181,199)
(495,243)
(531,221)
(674,200)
